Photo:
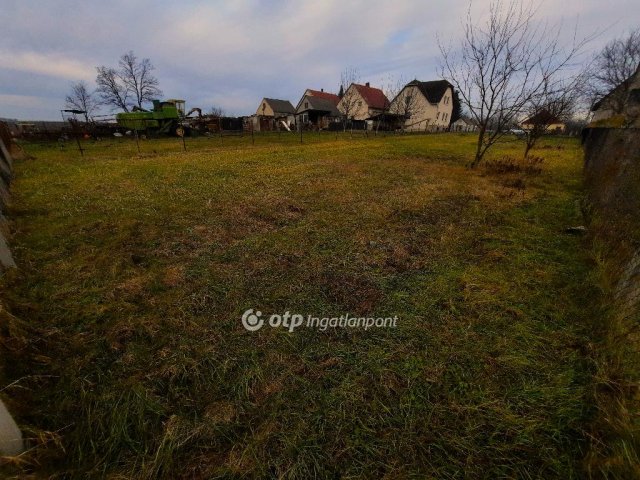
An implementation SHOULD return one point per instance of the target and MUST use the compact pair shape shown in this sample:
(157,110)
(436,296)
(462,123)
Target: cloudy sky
(231,54)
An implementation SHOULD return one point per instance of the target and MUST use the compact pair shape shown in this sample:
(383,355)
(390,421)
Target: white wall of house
(264,109)
(461,125)
(353,101)
(424,115)
(554,127)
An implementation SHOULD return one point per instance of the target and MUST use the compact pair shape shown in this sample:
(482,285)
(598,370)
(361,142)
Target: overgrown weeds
(136,271)
(614,233)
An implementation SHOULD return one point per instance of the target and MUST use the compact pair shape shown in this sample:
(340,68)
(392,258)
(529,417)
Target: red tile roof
(374,97)
(327,96)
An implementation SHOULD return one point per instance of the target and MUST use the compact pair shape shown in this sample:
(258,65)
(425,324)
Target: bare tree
(111,89)
(611,68)
(217,111)
(501,65)
(138,78)
(405,101)
(132,84)
(456,110)
(546,109)
(350,98)
(81,98)
(390,87)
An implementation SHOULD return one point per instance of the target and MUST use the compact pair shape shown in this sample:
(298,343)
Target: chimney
(366,84)
(322,89)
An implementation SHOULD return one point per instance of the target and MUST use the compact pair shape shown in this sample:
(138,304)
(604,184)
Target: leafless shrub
(529,166)
(82,99)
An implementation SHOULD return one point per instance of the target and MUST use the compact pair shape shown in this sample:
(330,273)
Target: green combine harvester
(167,118)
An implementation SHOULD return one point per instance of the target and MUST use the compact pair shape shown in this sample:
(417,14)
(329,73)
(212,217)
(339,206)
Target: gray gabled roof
(320,104)
(280,106)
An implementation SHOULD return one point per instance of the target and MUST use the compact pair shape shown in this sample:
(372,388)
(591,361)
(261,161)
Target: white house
(424,106)
(273,114)
(363,102)
(463,125)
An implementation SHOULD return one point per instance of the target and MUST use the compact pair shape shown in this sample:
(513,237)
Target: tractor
(167,117)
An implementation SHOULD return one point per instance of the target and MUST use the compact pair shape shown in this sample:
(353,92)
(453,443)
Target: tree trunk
(479,153)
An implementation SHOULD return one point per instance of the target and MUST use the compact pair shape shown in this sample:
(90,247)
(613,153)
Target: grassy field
(132,361)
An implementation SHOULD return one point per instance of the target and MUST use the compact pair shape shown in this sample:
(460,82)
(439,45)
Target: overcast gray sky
(231,54)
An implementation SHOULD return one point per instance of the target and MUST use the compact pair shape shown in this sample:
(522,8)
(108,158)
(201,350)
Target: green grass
(135,269)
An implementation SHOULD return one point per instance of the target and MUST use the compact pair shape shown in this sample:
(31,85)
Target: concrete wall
(612,207)
(612,180)
(11,443)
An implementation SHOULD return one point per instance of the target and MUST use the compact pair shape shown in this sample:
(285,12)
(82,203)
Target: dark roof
(319,103)
(280,106)
(374,97)
(542,117)
(614,91)
(433,91)
(327,96)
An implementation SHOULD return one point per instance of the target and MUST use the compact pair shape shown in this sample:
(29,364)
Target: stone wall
(11,443)
(612,181)
(612,207)
(6,173)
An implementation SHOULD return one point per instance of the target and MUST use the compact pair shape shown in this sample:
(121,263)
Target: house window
(438,116)
(407,101)
(359,103)
(306,104)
